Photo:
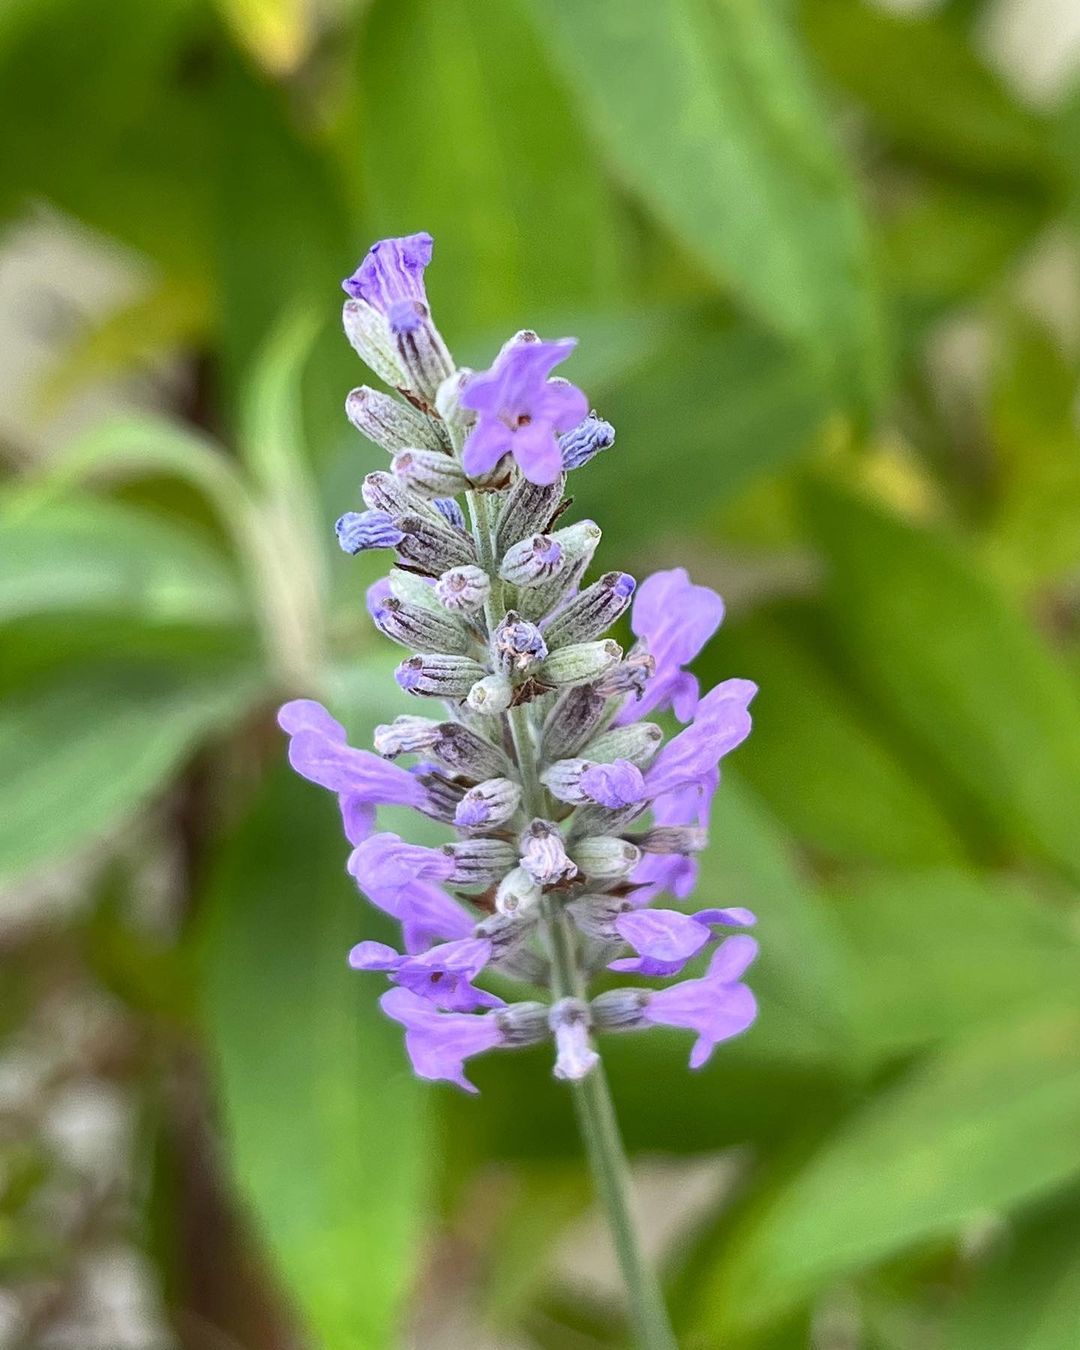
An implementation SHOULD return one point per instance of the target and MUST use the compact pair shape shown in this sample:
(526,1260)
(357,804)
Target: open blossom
(443,974)
(564,815)
(673,619)
(717,1006)
(520,411)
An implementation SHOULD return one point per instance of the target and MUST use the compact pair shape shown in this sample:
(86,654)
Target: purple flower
(391,278)
(319,751)
(520,411)
(674,619)
(717,1007)
(721,722)
(402,880)
(443,975)
(439,1043)
(666,939)
(614,785)
(360,530)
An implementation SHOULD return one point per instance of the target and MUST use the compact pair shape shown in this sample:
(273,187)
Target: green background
(822,258)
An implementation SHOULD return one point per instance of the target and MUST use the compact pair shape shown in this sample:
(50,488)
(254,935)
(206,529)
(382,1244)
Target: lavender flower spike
(520,411)
(570,816)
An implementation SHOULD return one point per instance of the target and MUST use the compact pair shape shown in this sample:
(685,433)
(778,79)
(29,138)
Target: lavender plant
(571,815)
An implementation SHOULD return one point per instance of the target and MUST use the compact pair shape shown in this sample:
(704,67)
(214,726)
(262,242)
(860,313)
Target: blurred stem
(592,1098)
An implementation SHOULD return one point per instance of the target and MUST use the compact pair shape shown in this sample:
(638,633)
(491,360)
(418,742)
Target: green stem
(592,1098)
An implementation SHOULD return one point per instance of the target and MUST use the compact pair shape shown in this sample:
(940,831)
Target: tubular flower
(565,813)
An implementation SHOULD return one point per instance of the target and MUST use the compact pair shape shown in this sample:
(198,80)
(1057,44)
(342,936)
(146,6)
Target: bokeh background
(822,257)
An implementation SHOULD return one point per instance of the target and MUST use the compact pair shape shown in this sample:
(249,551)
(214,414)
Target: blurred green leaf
(83,750)
(940,649)
(803,971)
(109,80)
(936,954)
(282,232)
(819,761)
(987,1125)
(325,1122)
(1033,532)
(951,240)
(1028,1296)
(920,81)
(716,409)
(94,556)
(708,114)
(498,169)
(287,543)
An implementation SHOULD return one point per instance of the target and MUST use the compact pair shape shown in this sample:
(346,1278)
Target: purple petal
(537,452)
(488,441)
(304,714)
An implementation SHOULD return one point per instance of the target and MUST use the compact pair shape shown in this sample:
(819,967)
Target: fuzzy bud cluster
(567,815)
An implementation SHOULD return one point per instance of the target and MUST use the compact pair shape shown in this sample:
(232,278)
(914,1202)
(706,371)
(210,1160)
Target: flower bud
(672,839)
(468,753)
(429,473)
(360,530)
(479,862)
(517,646)
(435,548)
(570,1022)
(518,893)
(488,805)
(578,543)
(383,492)
(619,1009)
(592,612)
(493,694)
(443,793)
(405,735)
(585,441)
(528,508)
(614,786)
(448,399)
(370,338)
(421,352)
(413,590)
(450,511)
(605,858)
(438,676)
(580,664)
(576,714)
(595,915)
(628,677)
(416,626)
(532,561)
(506,932)
(463,590)
(523,1023)
(390,423)
(544,856)
(638,742)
